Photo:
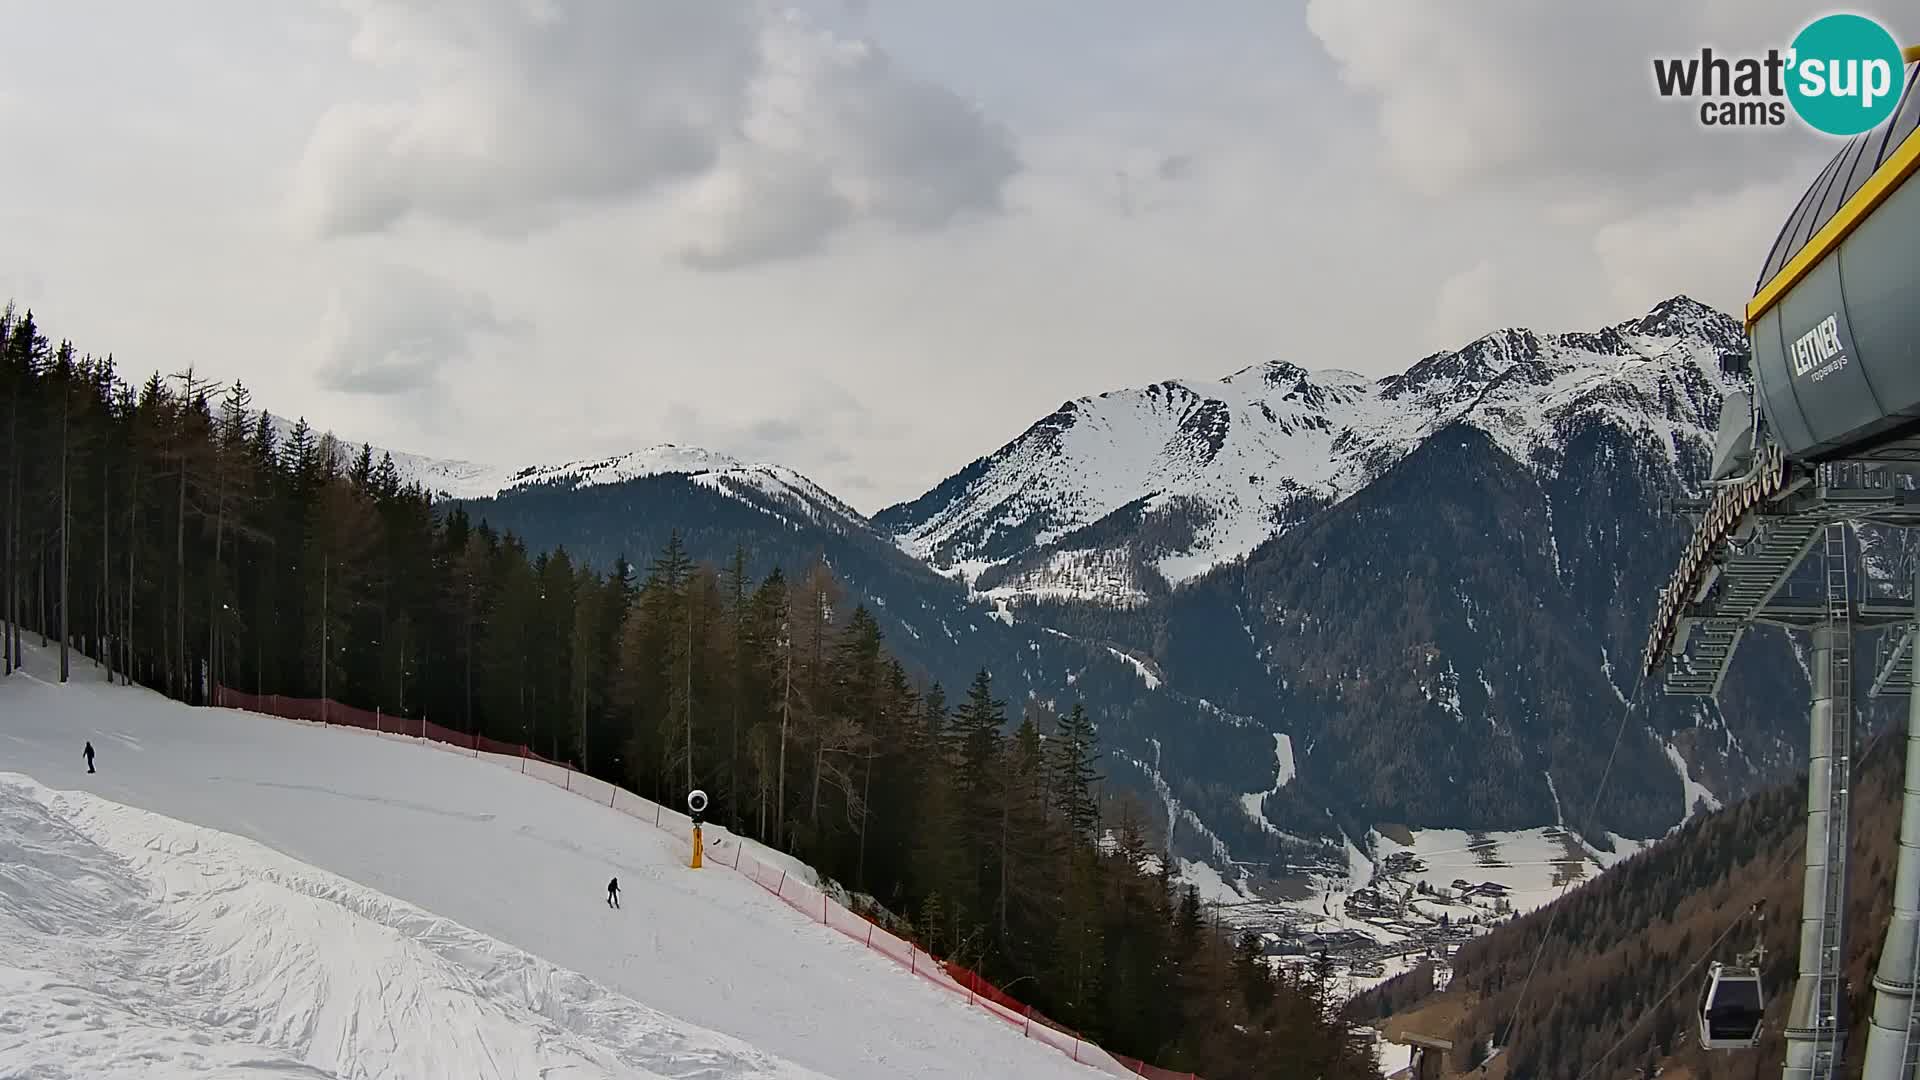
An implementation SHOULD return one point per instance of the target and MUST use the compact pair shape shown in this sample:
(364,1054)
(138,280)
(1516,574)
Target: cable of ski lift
(1553,914)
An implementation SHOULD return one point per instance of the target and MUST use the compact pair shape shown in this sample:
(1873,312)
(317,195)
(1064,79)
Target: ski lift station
(1829,439)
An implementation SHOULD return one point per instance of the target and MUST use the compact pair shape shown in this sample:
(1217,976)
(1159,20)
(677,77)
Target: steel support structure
(1893,1045)
(1815,1032)
(1736,574)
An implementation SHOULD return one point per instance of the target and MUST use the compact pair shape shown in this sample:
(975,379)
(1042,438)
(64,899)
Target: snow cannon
(1835,317)
(696,806)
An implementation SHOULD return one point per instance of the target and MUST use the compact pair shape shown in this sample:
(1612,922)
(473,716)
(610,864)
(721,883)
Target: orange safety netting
(723,850)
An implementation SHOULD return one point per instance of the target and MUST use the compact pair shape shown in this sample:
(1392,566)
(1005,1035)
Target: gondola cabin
(1732,1008)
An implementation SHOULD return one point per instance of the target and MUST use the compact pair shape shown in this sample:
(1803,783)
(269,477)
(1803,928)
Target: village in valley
(1416,901)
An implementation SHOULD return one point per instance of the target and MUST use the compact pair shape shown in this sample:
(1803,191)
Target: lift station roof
(1835,317)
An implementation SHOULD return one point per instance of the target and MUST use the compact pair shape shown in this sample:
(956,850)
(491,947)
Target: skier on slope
(613,893)
(89,755)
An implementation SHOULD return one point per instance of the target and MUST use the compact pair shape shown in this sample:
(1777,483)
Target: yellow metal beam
(1884,182)
(1911,55)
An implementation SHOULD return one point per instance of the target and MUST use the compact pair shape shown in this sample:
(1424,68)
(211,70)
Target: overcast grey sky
(871,239)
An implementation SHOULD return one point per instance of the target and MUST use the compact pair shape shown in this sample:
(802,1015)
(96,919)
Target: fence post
(656,815)
(377,729)
(823,909)
(869,935)
(737,847)
(1076,1048)
(783,884)
(523,761)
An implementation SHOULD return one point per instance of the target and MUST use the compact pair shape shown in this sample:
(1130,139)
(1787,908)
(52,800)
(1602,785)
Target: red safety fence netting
(721,849)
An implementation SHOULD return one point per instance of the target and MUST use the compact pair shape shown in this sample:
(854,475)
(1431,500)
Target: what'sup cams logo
(1842,75)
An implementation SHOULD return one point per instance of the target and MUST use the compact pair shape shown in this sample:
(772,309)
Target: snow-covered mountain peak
(1453,378)
(1270,373)
(709,468)
(1187,474)
(455,479)
(1681,316)
(663,459)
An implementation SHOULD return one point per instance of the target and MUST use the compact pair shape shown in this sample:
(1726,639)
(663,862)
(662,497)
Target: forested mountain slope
(1621,941)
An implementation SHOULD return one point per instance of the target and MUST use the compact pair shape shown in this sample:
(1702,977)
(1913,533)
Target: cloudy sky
(871,239)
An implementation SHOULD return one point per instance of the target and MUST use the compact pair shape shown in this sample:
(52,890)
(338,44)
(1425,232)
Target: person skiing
(89,755)
(613,893)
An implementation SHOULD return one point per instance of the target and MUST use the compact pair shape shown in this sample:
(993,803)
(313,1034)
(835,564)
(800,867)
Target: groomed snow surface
(151,940)
(458,929)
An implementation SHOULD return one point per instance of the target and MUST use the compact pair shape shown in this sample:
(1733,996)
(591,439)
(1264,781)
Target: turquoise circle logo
(1846,74)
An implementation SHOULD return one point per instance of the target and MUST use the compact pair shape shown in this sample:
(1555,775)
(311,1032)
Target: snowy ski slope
(466,933)
(131,940)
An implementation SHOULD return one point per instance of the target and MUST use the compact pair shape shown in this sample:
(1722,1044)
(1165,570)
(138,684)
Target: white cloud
(1522,94)
(811,419)
(1550,111)
(1717,241)
(394,330)
(768,135)
(1467,307)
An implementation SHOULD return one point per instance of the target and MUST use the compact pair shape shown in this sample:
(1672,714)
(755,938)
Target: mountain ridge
(1488,375)
(1182,476)
(459,479)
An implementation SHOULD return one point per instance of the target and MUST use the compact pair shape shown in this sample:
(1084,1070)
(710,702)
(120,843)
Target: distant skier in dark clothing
(613,893)
(89,753)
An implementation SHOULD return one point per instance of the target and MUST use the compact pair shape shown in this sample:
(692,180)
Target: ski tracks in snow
(135,945)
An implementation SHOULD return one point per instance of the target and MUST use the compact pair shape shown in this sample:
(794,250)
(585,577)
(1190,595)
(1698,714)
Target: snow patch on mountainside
(1146,674)
(1624,848)
(1359,867)
(1206,880)
(1695,793)
(1606,668)
(1104,576)
(1177,814)
(1283,757)
(1255,803)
